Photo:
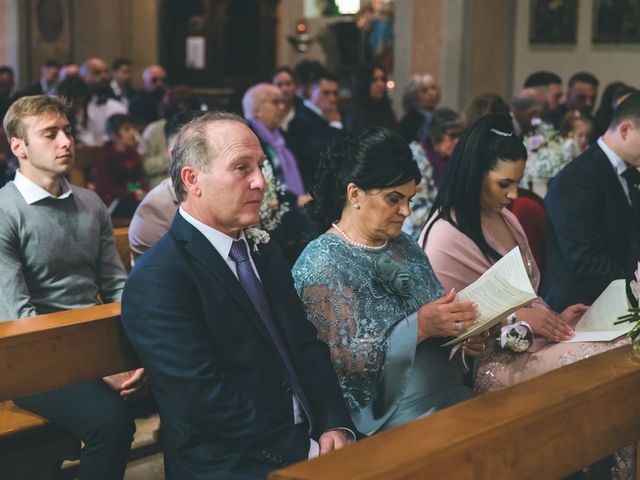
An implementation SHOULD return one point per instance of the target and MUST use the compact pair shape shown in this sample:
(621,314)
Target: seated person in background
(593,214)
(90,129)
(470,228)
(117,174)
(76,93)
(577,130)
(315,125)
(242,383)
(58,253)
(284,79)
(419,99)
(431,154)
(153,144)
(155,213)
(120,84)
(482,105)
(263,108)
(370,291)
(370,104)
(144,106)
(526,107)
(550,85)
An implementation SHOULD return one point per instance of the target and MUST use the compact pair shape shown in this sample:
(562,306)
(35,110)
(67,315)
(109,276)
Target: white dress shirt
(33,193)
(618,165)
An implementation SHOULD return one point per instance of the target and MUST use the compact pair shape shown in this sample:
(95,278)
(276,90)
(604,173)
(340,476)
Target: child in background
(577,129)
(118,175)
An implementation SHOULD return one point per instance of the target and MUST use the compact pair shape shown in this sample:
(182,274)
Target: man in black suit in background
(243,384)
(593,214)
(315,125)
(49,75)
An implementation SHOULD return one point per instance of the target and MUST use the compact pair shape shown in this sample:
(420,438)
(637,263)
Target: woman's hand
(546,323)
(573,313)
(480,344)
(445,317)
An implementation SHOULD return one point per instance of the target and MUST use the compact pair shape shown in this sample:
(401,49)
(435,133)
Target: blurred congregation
(305,187)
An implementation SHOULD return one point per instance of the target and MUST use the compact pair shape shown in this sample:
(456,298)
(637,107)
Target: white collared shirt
(220,241)
(618,165)
(33,193)
(316,109)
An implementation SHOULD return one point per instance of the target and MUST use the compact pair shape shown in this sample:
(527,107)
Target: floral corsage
(517,337)
(256,237)
(392,276)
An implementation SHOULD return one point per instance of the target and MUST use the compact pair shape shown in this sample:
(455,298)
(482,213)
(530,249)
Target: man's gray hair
(193,148)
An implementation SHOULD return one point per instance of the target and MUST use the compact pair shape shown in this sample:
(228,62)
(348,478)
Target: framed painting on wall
(616,21)
(553,21)
(49,34)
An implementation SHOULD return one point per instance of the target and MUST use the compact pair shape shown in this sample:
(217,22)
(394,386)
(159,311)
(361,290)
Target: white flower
(256,236)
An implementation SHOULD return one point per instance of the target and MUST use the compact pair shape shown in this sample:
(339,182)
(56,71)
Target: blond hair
(33,106)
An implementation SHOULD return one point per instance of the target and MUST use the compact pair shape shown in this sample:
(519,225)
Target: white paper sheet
(500,291)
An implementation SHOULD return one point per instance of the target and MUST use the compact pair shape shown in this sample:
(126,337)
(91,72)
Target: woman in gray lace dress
(370,291)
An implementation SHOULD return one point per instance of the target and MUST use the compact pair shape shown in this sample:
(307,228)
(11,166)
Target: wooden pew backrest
(547,427)
(51,351)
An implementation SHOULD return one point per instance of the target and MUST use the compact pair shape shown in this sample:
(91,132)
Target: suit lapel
(201,249)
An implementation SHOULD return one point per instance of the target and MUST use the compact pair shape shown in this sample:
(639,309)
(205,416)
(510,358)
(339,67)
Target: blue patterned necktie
(255,291)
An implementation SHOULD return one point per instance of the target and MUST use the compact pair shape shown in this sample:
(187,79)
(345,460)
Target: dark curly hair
(374,159)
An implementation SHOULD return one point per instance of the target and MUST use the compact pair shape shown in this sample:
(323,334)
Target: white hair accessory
(500,132)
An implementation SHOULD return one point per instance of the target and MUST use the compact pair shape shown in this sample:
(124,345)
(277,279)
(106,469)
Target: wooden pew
(85,158)
(122,244)
(544,428)
(47,352)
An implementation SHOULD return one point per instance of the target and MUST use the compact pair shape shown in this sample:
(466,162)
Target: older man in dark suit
(243,385)
(593,214)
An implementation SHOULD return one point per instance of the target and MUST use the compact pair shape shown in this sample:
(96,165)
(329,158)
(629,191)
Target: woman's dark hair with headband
(488,141)
(376,158)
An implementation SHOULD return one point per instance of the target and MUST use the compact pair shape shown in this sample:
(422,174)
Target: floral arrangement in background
(634,313)
(548,153)
(271,211)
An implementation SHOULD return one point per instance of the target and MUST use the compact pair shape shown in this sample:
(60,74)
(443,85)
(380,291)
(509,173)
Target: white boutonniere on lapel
(256,237)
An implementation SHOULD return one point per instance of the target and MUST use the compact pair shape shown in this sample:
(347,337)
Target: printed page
(500,291)
(597,324)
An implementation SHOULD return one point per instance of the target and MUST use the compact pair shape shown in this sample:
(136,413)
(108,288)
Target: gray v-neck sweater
(56,254)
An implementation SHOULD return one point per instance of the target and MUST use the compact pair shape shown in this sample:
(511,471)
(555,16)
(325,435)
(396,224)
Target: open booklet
(597,324)
(499,292)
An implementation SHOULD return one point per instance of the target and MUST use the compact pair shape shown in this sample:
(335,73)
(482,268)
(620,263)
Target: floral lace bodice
(354,311)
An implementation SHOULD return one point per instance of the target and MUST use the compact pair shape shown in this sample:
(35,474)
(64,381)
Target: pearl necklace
(356,244)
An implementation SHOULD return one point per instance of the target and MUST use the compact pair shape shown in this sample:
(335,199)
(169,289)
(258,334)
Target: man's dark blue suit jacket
(222,391)
(593,233)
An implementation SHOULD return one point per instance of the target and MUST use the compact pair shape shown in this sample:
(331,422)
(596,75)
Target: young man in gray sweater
(58,253)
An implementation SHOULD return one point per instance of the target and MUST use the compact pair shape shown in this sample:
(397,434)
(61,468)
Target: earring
(357,206)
